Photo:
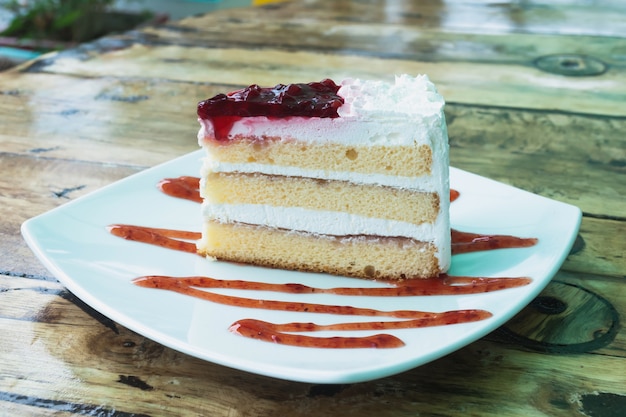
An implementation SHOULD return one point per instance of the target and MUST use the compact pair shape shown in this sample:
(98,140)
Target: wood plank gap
(29,276)
(35,155)
(535,110)
(64,406)
(604,217)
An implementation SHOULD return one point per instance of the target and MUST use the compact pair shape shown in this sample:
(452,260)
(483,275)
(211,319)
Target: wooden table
(536,94)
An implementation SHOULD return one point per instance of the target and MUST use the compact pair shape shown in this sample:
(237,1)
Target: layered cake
(348,179)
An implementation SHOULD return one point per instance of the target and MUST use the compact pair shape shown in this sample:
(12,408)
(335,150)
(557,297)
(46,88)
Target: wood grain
(108,121)
(406,34)
(459,84)
(272,45)
(535,94)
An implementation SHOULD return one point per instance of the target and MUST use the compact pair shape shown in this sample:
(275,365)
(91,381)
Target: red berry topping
(316,99)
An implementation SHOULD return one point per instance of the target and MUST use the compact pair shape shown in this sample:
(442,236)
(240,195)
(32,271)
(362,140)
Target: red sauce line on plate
(454,194)
(166,238)
(187,287)
(261,330)
(443,285)
(277,333)
(434,319)
(185,187)
(464,242)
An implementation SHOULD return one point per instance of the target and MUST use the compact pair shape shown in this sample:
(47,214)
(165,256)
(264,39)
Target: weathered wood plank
(577,313)
(518,86)
(31,185)
(544,17)
(75,121)
(455,55)
(406,37)
(594,254)
(573,158)
(28,406)
(109,121)
(49,183)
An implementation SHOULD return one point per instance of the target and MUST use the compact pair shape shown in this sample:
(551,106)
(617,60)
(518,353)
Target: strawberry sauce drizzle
(454,194)
(277,333)
(462,242)
(165,238)
(184,187)
(465,242)
(187,286)
(442,285)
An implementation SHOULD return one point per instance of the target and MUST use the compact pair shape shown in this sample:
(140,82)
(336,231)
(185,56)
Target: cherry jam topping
(316,99)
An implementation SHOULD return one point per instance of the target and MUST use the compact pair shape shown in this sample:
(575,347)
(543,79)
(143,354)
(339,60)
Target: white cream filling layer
(348,131)
(432,183)
(332,223)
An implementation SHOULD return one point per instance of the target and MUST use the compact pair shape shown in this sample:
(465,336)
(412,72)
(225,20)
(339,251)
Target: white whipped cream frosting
(381,101)
(373,113)
(406,112)
(318,221)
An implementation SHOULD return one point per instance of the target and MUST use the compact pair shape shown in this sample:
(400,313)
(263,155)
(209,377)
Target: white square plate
(73,243)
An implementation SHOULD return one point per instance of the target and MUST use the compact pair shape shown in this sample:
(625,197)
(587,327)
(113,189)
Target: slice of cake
(348,179)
